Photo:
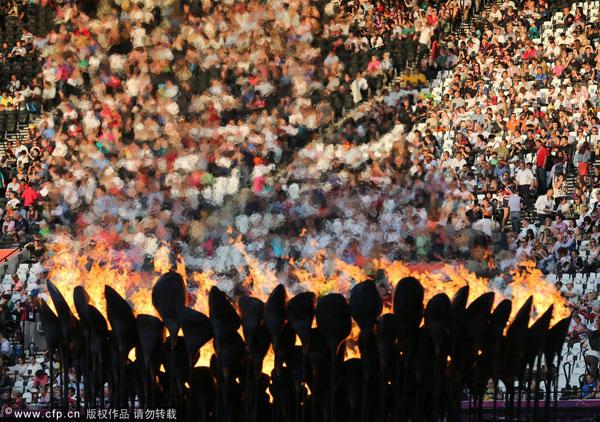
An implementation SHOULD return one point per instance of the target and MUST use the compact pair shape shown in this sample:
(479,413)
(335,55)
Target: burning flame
(161,260)
(102,266)
(260,278)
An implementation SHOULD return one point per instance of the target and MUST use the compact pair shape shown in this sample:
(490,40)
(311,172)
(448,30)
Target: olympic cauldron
(415,362)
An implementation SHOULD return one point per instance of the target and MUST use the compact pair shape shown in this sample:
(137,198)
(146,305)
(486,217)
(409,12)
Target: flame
(313,275)
(161,260)
(528,281)
(204,281)
(261,279)
(180,268)
(269,361)
(322,274)
(97,268)
(206,353)
(352,350)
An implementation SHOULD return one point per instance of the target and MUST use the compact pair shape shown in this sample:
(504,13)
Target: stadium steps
(20,134)
(465,26)
(392,81)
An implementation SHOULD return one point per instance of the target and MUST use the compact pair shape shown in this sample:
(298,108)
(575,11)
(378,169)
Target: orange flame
(95,270)
(161,260)
(102,266)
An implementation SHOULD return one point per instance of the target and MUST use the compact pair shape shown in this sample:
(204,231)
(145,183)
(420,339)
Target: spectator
(578,330)
(41,379)
(541,166)
(588,390)
(593,353)
(525,180)
(6,381)
(582,159)
(7,301)
(5,347)
(359,88)
(20,224)
(544,205)
(17,284)
(37,251)
(30,319)
(8,226)
(33,366)
(20,368)
(514,202)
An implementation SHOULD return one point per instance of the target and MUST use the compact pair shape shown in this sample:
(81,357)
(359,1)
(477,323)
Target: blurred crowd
(349,130)
(186,127)
(155,124)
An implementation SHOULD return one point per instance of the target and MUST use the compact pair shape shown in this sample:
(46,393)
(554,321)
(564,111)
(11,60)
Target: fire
(261,279)
(100,267)
(204,282)
(206,353)
(180,268)
(161,260)
(322,274)
(313,275)
(527,281)
(352,350)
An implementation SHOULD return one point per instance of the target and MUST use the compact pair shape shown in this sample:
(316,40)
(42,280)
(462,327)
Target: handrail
(2,260)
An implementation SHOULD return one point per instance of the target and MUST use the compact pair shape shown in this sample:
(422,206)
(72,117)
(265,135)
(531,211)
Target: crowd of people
(263,120)
(151,124)
(164,124)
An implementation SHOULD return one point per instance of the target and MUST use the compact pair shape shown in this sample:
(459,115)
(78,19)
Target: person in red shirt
(41,379)
(529,52)
(82,31)
(30,197)
(541,157)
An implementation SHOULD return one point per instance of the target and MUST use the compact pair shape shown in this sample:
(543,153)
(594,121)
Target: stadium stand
(443,130)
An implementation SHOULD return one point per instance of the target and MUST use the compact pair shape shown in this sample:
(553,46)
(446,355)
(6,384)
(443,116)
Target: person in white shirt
(472,49)
(13,186)
(594,138)
(20,368)
(485,224)
(13,200)
(20,148)
(508,3)
(523,251)
(514,204)
(570,291)
(495,15)
(396,94)
(526,227)
(457,162)
(524,177)
(552,51)
(565,39)
(445,162)
(359,87)
(5,346)
(424,41)
(33,366)
(331,60)
(544,205)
